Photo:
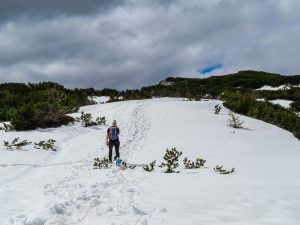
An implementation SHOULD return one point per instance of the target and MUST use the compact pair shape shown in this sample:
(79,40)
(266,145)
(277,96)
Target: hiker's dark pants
(111,144)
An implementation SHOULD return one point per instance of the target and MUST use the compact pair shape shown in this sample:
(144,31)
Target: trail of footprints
(72,200)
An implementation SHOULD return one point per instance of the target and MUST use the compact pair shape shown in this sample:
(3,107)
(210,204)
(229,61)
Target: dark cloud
(40,9)
(133,43)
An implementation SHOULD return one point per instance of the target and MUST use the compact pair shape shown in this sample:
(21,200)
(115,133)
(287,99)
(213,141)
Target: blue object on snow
(119,161)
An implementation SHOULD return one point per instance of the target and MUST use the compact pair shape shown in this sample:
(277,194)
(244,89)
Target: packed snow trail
(73,191)
(42,188)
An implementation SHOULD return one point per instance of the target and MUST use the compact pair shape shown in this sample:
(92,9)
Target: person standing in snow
(112,140)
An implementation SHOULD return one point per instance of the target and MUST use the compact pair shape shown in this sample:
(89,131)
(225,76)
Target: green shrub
(217,108)
(188,164)
(16,144)
(234,121)
(102,163)
(150,167)
(171,160)
(87,120)
(46,145)
(29,106)
(220,170)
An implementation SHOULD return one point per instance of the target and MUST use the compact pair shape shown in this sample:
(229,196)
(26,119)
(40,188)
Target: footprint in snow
(137,211)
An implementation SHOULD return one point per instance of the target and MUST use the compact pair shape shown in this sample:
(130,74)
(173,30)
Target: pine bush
(102,163)
(16,144)
(221,170)
(188,164)
(87,120)
(234,121)
(217,108)
(46,145)
(150,167)
(171,160)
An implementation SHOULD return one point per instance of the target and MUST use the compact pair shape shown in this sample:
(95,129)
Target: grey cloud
(139,43)
(16,9)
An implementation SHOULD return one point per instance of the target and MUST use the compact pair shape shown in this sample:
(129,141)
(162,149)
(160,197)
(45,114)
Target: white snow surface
(284,103)
(39,187)
(270,88)
(100,99)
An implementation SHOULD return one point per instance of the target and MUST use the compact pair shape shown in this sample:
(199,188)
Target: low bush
(102,163)
(188,164)
(16,144)
(150,167)
(220,170)
(87,120)
(46,145)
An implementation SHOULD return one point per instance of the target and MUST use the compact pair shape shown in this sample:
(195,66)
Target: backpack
(113,133)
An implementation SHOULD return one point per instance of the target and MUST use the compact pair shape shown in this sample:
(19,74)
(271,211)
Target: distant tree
(234,121)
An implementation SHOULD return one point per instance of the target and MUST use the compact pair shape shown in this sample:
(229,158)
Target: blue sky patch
(209,68)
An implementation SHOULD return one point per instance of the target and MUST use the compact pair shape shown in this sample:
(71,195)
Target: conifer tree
(217,108)
(234,121)
(171,160)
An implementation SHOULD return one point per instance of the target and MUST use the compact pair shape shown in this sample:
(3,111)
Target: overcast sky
(130,43)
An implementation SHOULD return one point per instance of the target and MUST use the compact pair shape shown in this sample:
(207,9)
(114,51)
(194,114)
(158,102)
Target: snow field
(42,188)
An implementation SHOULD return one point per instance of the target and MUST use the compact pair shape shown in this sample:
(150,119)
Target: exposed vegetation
(16,144)
(221,170)
(87,120)
(171,160)
(29,106)
(188,164)
(245,103)
(217,108)
(234,121)
(102,163)
(46,145)
(150,167)
(194,88)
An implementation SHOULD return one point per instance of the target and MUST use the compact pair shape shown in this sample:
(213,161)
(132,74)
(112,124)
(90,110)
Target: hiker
(112,140)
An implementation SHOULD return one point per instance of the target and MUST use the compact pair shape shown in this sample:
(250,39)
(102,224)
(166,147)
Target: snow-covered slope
(42,188)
